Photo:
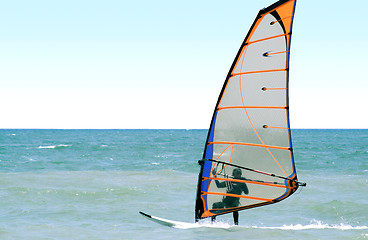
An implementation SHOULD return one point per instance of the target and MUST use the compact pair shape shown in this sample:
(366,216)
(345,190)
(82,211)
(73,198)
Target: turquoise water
(90,184)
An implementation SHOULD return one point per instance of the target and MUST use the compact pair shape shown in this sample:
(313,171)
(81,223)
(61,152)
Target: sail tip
(272,6)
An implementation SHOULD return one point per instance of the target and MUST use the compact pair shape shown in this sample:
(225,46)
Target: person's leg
(216,205)
(236,217)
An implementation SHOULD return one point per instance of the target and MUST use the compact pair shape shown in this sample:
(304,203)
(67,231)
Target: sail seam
(244,107)
(266,126)
(252,144)
(246,181)
(269,38)
(266,89)
(272,23)
(220,157)
(266,54)
(257,171)
(238,196)
(260,71)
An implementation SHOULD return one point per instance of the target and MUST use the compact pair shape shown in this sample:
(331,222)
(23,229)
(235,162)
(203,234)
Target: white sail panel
(252,132)
(267,39)
(249,90)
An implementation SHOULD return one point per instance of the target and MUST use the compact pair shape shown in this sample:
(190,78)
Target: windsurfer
(232,188)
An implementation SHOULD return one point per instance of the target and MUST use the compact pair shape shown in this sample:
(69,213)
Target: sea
(91,184)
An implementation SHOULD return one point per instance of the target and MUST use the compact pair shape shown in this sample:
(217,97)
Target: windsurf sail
(248,158)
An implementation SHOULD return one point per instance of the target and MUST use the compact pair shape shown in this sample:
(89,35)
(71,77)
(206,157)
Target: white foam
(316,225)
(293,227)
(223,225)
(206,224)
(53,146)
(47,147)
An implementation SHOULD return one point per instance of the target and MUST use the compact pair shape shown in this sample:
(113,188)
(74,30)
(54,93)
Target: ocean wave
(297,227)
(316,225)
(60,146)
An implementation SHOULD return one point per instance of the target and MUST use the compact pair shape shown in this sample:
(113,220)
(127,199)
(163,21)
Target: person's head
(237,172)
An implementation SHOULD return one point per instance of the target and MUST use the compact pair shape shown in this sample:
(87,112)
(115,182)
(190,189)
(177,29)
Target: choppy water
(90,184)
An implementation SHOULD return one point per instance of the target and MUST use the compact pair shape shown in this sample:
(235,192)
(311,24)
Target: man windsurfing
(235,188)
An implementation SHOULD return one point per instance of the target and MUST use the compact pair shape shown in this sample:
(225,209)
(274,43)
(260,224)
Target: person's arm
(245,188)
(218,184)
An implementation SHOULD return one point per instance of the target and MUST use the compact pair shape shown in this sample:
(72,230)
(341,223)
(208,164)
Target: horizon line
(165,129)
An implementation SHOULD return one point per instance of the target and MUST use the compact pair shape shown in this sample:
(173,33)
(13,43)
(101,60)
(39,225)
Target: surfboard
(166,222)
(186,225)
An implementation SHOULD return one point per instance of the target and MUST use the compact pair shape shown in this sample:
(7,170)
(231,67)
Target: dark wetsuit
(234,188)
(228,202)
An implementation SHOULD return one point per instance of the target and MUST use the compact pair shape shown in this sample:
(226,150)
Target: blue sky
(161,64)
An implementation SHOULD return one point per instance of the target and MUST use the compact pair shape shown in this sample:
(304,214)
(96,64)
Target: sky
(161,64)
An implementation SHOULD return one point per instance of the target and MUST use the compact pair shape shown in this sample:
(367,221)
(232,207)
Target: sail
(248,157)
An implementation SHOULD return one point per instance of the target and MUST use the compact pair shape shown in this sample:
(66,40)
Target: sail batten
(251,170)
(269,107)
(268,38)
(251,144)
(260,71)
(273,184)
(237,196)
(249,139)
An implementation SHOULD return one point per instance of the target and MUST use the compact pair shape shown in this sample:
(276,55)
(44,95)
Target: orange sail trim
(213,167)
(286,13)
(273,53)
(266,126)
(251,144)
(246,181)
(237,196)
(232,107)
(265,89)
(281,19)
(207,214)
(268,38)
(261,71)
(277,162)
